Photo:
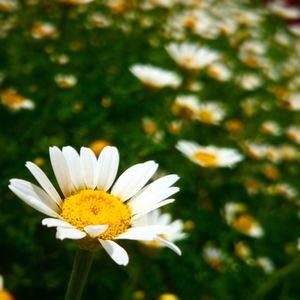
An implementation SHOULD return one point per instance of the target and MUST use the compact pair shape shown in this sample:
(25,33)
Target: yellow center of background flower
(206,116)
(206,159)
(89,207)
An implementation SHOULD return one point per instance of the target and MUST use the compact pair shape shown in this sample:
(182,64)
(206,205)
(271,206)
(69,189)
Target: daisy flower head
(210,113)
(154,77)
(93,207)
(15,101)
(191,56)
(236,216)
(164,240)
(209,156)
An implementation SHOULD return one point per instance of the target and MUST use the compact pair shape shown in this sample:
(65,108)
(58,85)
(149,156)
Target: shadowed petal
(116,252)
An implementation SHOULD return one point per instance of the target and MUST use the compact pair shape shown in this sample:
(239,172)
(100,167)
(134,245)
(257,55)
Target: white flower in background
(41,30)
(164,240)
(209,156)
(8,5)
(155,77)
(91,208)
(236,216)
(293,133)
(190,56)
(271,127)
(292,102)
(210,113)
(214,256)
(186,106)
(249,81)
(74,2)
(65,81)
(266,264)
(280,9)
(219,71)
(15,101)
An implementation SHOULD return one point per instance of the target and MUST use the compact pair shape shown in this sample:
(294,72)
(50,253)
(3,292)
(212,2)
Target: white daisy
(210,113)
(164,240)
(93,209)
(236,216)
(190,56)
(209,156)
(15,101)
(155,77)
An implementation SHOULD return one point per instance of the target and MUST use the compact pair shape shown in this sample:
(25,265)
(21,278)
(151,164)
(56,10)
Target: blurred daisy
(271,127)
(249,81)
(214,256)
(74,2)
(210,113)
(243,251)
(88,211)
(293,133)
(15,101)
(209,156)
(164,240)
(8,5)
(219,71)
(155,77)
(168,296)
(41,30)
(237,217)
(280,9)
(186,106)
(190,56)
(65,81)
(266,264)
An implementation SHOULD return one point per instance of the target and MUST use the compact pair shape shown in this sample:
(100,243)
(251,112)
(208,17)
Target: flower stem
(81,267)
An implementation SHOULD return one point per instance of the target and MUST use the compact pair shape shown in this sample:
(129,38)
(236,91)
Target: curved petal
(145,233)
(150,208)
(133,179)
(34,203)
(44,181)
(50,222)
(74,164)
(107,167)
(169,244)
(88,165)
(28,189)
(150,198)
(69,233)
(116,252)
(95,230)
(61,171)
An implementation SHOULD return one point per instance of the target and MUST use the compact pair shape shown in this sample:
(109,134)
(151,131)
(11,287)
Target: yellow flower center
(206,159)
(206,116)
(11,98)
(96,207)
(243,223)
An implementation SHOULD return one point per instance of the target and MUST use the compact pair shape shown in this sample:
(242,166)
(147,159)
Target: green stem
(81,267)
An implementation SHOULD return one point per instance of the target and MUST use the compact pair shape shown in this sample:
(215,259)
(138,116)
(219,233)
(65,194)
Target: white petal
(107,167)
(116,252)
(145,233)
(43,180)
(95,230)
(133,179)
(50,222)
(150,208)
(88,165)
(61,171)
(28,189)
(150,198)
(170,245)
(34,203)
(74,164)
(69,233)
